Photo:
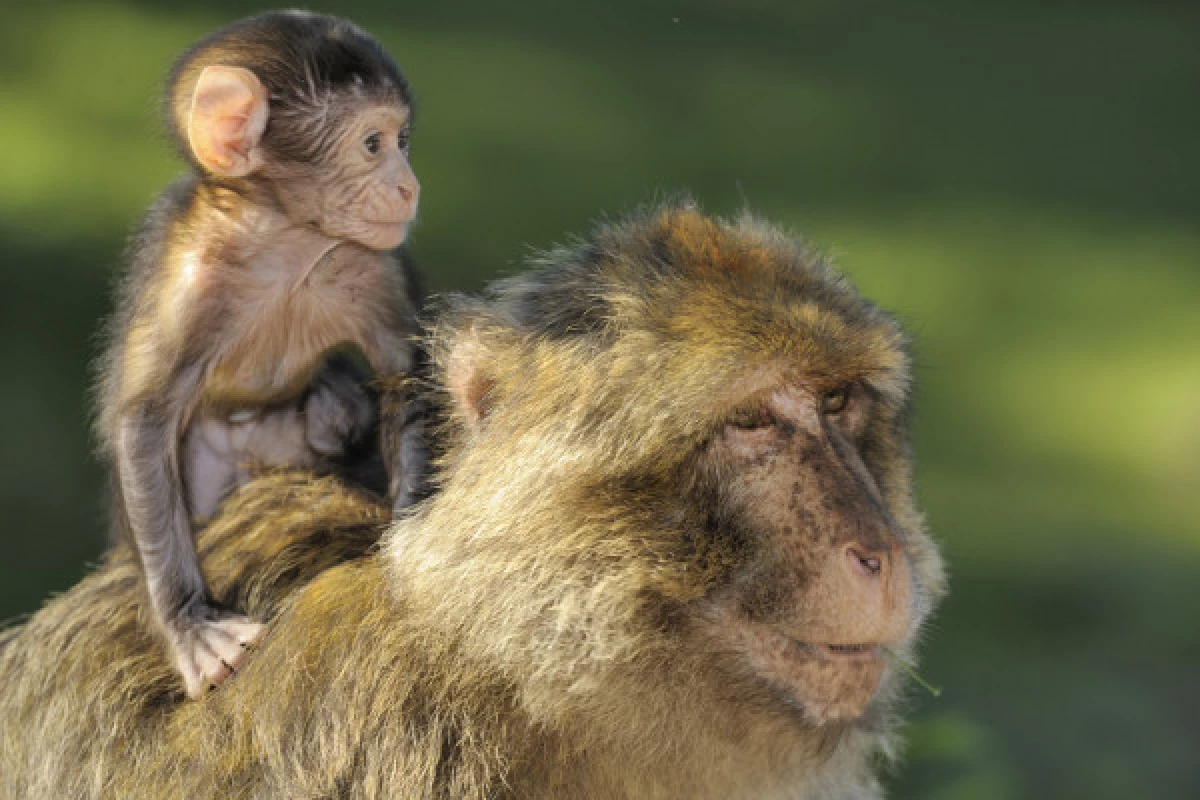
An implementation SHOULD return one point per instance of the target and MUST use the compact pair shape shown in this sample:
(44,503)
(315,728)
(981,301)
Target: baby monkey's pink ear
(227,120)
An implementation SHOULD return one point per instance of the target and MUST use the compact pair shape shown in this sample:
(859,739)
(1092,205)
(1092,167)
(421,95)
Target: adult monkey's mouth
(842,652)
(849,653)
(827,682)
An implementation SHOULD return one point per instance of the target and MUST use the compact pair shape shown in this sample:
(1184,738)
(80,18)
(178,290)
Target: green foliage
(1016,180)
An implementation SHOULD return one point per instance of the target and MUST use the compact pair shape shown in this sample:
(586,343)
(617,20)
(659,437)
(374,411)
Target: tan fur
(259,283)
(555,622)
(285,298)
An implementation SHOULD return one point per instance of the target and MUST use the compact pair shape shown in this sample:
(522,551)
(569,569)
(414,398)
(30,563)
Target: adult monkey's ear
(469,380)
(226,121)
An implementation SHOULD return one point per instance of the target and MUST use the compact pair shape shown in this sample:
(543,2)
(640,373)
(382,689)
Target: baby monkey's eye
(402,140)
(752,419)
(372,143)
(834,401)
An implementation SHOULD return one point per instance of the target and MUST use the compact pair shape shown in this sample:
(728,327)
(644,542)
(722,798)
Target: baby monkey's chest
(286,323)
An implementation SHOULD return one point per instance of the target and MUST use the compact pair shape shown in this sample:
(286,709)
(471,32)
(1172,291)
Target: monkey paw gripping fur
(674,539)
(210,646)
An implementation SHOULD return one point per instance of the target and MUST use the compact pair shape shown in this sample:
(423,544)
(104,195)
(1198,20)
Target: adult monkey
(266,261)
(674,537)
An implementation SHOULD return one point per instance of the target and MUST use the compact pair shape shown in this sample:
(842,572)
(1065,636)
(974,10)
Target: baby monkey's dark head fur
(306,111)
(310,64)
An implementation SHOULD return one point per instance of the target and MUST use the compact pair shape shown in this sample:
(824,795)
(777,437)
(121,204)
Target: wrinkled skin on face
(831,586)
(363,190)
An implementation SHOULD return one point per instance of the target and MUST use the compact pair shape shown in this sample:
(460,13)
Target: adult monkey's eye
(372,143)
(402,139)
(833,401)
(752,419)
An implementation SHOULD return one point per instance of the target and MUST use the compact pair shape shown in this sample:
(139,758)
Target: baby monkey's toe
(208,651)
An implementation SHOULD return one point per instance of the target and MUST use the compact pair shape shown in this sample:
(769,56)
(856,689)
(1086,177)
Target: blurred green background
(1019,181)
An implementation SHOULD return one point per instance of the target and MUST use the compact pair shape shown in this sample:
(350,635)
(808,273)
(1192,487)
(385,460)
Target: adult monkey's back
(674,537)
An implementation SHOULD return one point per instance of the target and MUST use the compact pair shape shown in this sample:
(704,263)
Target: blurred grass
(1016,180)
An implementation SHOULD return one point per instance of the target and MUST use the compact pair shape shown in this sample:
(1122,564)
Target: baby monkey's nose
(408,190)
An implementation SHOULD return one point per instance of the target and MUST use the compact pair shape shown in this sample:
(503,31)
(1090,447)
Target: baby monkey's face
(352,180)
(364,189)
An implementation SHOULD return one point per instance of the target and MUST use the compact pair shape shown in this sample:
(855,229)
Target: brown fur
(589,607)
(251,276)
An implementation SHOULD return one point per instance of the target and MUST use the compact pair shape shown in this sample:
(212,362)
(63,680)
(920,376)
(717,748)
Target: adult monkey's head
(304,109)
(680,484)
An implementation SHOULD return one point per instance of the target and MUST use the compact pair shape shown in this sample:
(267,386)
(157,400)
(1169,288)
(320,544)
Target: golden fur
(549,624)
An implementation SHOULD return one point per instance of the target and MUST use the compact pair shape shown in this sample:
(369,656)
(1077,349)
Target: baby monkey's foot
(209,646)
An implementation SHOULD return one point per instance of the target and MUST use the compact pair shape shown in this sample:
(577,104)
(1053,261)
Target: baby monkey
(256,279)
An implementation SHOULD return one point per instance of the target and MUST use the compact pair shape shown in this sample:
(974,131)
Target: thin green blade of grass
(911,671)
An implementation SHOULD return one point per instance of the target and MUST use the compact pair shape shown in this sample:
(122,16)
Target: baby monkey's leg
(205,643)
(224,450)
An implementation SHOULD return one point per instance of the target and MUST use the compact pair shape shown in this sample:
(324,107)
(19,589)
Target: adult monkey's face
(826,586)
(706,428)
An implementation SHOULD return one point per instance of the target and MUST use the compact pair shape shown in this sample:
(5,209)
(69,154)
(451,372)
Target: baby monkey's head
(308,110)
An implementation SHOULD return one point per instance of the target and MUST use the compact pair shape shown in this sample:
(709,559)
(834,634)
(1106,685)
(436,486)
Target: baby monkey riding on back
(260,280)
